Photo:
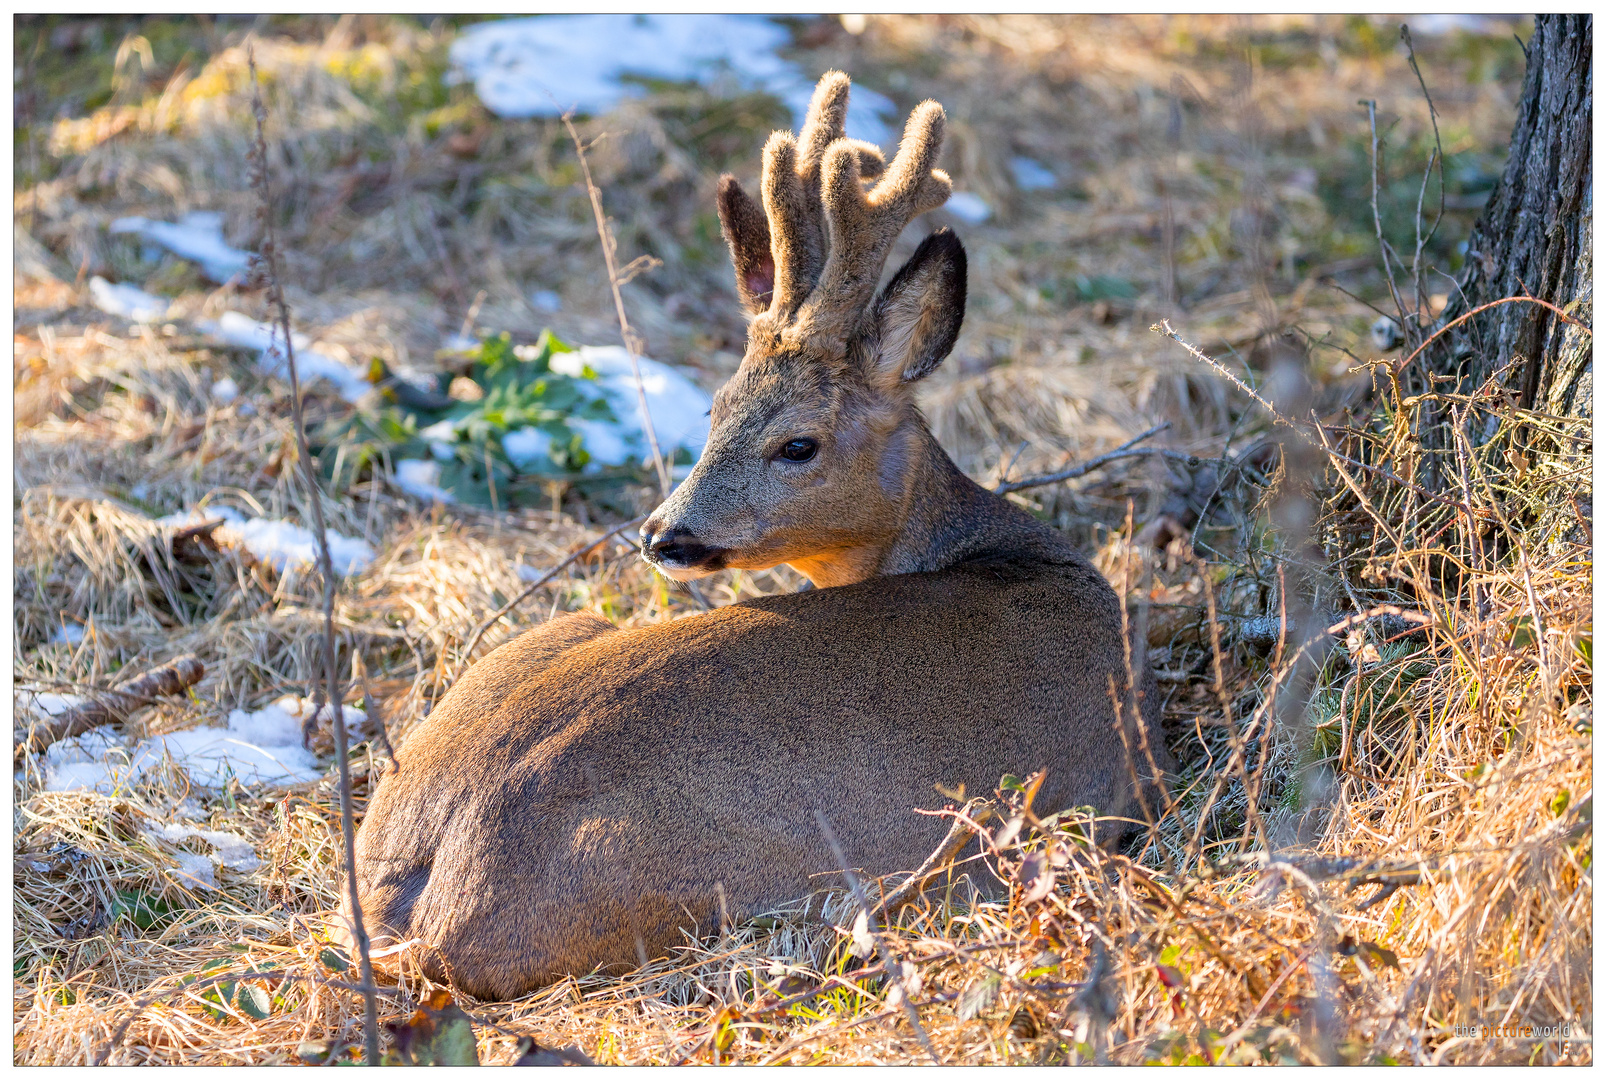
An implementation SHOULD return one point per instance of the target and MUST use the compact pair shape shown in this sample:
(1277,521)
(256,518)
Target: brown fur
(584,793)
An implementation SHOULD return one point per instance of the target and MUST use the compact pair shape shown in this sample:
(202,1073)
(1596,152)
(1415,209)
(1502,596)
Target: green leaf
(1559,804)
(1011,782)
(144,911)
(333,961)
(253,1001)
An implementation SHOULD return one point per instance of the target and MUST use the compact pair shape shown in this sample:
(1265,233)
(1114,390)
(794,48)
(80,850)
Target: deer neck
(938,518)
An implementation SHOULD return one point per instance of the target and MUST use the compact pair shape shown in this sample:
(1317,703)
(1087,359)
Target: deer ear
(917,316)
(747,231)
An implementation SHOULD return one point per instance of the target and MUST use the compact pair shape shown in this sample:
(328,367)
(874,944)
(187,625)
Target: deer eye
(799,450)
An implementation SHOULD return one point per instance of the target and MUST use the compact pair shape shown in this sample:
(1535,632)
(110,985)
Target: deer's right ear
(919,313)
(747,231)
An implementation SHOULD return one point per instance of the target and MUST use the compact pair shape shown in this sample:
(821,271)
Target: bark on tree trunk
(1534,238)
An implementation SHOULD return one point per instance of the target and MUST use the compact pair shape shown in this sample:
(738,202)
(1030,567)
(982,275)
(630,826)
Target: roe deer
(584,791)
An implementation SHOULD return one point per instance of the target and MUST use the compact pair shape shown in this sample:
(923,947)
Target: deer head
(816,447)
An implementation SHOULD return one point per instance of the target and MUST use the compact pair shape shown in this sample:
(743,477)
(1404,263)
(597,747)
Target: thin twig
(959,835)
(1163,327)
(616,281)
(1437,156)
(1560,314)
(267,262)
(893,969)
(1410,326)
(1123,451)
(479,632)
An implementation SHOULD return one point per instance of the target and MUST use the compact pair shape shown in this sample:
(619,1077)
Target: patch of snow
(606,444)
(195,870)
(232,852)
(225,390)
(679,407)
(460,343)
(280,544)
(67,634)
(1437,24)
(542,66)
(126,301)
(97,760)
(238,329)
(197,237)
(1031,175)
(527,446)
(47,704)
(527,572)
(190,810)
(422,480)
(969,208)
(546,300)
(261,747)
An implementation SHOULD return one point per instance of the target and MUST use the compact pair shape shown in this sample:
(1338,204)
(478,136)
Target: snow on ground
(67,634)
(242,330)
(197,237)
(126,301)
(1032,175)
(545,65)
(278,543)
(422,480)
(679,407)
(49,704)
(261,748)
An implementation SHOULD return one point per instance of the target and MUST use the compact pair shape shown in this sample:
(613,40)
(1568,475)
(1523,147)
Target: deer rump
(584,792)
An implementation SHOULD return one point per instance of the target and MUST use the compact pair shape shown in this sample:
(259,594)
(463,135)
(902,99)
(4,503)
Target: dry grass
(1457,751)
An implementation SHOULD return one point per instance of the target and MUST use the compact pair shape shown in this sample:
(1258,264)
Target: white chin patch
(681,573)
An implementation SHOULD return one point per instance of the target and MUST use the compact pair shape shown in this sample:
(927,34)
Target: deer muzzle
(677,554)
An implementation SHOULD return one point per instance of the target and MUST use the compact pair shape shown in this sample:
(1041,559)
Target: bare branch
(115,706)
(616,281)
(268,264)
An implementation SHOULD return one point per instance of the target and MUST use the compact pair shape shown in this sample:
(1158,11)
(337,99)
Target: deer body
(584,793)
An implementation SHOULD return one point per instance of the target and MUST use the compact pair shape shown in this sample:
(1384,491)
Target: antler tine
(863,225)
(826,124)
(790,188)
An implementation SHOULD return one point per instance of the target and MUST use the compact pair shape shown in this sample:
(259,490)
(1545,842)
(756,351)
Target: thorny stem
(615,282)
(267,261)
(1163,327)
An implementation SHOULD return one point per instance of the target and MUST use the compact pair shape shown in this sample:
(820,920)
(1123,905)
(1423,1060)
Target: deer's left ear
(917,316)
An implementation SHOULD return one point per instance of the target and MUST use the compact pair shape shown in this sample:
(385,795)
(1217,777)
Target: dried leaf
(863,942)
(1037,877)
(1011,829)
(978,997)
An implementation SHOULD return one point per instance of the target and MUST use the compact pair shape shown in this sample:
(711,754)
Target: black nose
(676,547)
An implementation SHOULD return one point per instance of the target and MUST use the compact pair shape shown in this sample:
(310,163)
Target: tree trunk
(1534,238)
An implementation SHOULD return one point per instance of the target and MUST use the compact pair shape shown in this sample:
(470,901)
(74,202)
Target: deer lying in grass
(584,792)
